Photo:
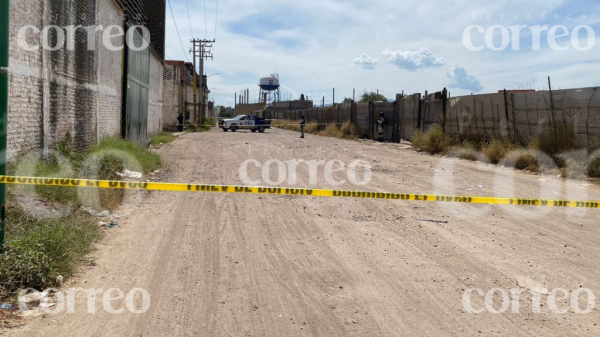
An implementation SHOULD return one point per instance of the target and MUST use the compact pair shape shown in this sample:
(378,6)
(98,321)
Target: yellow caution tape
(65,182)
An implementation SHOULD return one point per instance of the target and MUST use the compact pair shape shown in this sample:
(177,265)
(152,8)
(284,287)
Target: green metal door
(137,63)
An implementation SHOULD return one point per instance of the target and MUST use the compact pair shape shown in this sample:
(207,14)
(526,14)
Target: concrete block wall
(294,105)
(171,94)
(362,120)
(409,115)
(478,116)
(155,96)
(578,108)
(521,116)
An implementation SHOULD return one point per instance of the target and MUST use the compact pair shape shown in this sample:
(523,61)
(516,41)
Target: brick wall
(110,72)
(25,130)
(72,74)
(75,91)
(171,94)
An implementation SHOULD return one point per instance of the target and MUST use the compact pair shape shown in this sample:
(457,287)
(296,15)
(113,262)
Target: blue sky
(389,45)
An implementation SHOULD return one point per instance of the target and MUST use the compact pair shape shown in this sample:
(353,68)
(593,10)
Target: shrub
(52,168)
(497,149)
(36,252)
(346,130)
(433,141)
(209,121)
(331,130)
(558,138)
(148,160)
(527,162)
(312,128)
(350,131)
(462,152)
(285,124)
(594,168)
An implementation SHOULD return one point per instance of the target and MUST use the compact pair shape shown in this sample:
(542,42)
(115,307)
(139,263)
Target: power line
(177,29)
(216,19)
(205,25)
(189,19)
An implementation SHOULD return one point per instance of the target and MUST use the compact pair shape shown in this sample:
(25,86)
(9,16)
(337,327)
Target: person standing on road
(380,125)
(180,122)
(302,124)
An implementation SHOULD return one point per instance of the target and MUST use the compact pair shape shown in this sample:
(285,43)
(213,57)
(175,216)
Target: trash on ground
(482,187)
(431,220)
(95,213)
(113,224)
(47,305)
(103,214)
(7,306)
(33,297)
(129,174)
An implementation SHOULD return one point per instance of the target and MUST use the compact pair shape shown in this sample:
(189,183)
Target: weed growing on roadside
(162,138)
(433,141)
(38,251)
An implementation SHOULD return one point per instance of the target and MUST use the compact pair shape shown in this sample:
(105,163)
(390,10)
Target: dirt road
(250,265)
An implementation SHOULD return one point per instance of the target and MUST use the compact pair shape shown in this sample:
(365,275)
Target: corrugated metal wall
(136,93)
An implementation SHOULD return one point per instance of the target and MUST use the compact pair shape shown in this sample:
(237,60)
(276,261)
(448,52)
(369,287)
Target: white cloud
(460,78)
(365,62)
(414,60)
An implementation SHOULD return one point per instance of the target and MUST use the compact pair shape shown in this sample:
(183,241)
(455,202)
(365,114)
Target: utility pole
(333,96)
(354,95)
(201,51)
(195,86)
(4,63)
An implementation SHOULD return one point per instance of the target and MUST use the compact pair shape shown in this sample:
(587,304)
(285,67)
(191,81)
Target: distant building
(178,94)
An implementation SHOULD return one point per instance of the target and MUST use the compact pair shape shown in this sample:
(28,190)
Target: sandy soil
(250,265)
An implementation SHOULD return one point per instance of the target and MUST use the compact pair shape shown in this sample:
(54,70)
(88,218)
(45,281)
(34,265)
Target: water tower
(269,89)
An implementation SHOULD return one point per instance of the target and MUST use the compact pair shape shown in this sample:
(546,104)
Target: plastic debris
(103,214)
(7,306)
(93,212)
(129,174)
(113,224)
(33,297)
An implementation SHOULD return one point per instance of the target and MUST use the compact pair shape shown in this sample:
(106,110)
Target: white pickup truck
(247,122)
